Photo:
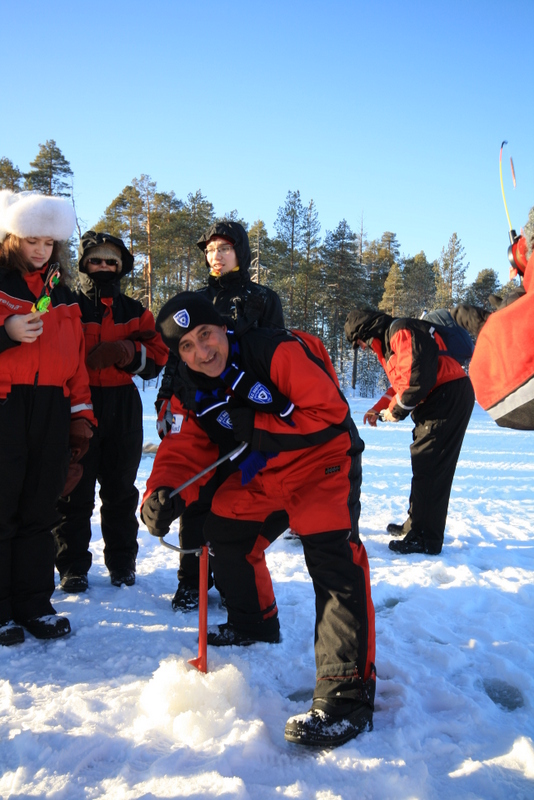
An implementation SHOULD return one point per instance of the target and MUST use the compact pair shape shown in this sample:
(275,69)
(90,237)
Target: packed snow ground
(115,711)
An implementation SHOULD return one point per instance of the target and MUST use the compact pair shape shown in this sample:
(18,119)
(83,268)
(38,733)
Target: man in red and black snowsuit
(436,391)
(120,342)
(246,304)
(301,466)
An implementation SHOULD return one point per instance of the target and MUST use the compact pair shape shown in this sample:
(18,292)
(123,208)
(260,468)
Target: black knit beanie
(182,314)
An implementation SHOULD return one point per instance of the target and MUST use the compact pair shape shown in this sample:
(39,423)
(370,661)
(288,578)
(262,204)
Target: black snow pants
(338,567)
(440,425)
(34,458)
(112,460)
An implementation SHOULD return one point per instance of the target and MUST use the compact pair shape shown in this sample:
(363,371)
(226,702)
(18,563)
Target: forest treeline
(319,278)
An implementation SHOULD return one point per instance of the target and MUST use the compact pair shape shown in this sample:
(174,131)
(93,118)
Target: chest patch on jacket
(260,394)
(177,420)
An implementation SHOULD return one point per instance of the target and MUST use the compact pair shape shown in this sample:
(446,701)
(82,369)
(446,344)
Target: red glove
(74,476)
(81,432)
(107,354)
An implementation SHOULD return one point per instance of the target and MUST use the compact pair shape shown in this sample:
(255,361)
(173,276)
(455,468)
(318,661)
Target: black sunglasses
(111,262)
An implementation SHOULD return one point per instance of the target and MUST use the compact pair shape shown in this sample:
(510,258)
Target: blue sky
(394,111)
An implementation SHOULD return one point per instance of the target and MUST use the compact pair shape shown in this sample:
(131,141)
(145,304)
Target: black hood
(92,239)
(365,324)
(236,234)
(88,282)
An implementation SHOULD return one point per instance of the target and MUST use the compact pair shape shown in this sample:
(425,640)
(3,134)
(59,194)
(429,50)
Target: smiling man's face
(205,349)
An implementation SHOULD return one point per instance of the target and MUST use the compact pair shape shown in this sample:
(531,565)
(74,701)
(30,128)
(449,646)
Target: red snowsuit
(437,393)
(115,449)
(502,367)
(312,484)
(43,386)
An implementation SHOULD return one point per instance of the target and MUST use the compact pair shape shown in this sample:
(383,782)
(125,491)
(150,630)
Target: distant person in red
(300,466)
(46,417)
(436,392)
(120,343)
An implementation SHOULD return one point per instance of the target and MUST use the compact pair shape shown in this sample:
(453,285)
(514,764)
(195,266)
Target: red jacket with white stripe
(320,430)
(56,358)
(411,360)
(502,367)
(109,319)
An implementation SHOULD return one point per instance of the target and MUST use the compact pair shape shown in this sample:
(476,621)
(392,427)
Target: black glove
(159,510)
(242,418)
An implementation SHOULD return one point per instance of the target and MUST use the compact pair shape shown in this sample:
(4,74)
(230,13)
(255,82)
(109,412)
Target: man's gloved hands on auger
(106,354)
(159,510)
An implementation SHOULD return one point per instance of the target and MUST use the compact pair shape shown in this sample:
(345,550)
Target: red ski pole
(201,662)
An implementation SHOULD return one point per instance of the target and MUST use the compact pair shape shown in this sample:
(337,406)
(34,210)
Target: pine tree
(10,176)
(146,190)
(309,276)
(259,246)
(450,274)
(378,258)
(288,227)
(485,284)
(393,301)
(419,285)
(51,173)
(124,218)
(196,216)
(342,283)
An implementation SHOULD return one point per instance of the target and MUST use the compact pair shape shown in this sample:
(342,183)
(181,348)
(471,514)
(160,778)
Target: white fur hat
(31,214)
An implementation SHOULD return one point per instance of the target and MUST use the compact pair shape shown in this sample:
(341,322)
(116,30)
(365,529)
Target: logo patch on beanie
(182,318)
(260,394)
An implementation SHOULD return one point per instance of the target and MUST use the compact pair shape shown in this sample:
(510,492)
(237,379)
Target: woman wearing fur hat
(45,406)
(120,343)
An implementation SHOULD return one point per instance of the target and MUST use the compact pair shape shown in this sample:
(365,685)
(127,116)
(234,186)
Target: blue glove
(252,464)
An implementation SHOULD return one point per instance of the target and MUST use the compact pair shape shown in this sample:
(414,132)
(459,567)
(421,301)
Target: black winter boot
(122,576)
(186,597)
(416,544)
(50,626)
(74,584)
(226,634)
(325,725)
(11,633)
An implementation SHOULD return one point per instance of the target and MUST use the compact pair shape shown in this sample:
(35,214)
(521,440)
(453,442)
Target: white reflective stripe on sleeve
(289,410)
(143,360)
(81,407)
(406,408)
(238,377)
(521,396)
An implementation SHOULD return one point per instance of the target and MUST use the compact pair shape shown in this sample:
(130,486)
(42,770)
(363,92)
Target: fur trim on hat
(106,250)
(31,214)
